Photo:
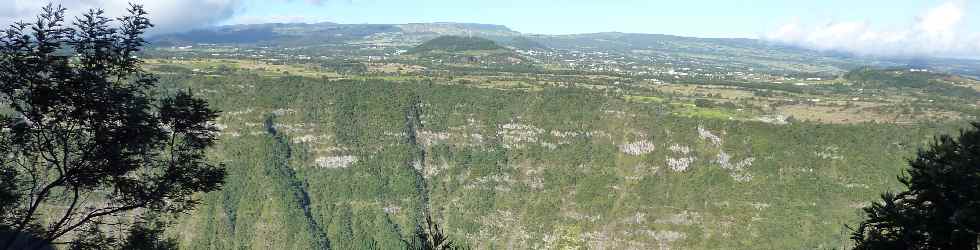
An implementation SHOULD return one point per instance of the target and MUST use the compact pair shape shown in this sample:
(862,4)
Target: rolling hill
(300,34)
(457,44)
(525,43)
(918,79)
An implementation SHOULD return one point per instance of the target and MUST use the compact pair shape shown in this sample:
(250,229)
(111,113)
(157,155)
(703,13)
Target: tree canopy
(87,137)
(940,209)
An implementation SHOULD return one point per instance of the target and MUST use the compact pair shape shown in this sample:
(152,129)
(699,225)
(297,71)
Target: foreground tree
(86,138)
(940,209)
(430,237)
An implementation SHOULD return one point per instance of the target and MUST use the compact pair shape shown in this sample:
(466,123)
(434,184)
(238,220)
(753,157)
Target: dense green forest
(409,136)
(456,44)
(526,43)
(354,164)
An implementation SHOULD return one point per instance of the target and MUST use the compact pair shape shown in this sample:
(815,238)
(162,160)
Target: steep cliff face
(356,164)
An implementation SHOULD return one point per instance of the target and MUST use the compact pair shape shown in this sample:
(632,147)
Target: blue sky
(702,18)
(948,28)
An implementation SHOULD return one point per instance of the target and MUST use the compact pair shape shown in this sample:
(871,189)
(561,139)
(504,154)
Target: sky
(874,27)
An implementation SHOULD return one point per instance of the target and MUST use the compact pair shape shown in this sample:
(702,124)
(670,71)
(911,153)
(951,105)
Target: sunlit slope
(316,163)
(456,44)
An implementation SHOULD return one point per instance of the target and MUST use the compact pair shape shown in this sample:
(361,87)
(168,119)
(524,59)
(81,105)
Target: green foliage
(525,43)
(939,209)
(456,44)
(8,191)
(868,77)
(91,237)
(86,136)
(569,239)
(429,236)
(872,77)
(345,67)
(805,178)
(147,233)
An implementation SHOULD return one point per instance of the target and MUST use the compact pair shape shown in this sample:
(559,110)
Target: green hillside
(457,44)
(352,164)
(938,83)
(526,43)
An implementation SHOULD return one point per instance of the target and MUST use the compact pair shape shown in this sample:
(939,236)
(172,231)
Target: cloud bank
(167,15)
(938,31)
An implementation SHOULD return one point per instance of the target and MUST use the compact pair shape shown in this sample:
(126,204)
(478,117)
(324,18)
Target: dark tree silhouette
(147,234)
(940,209)
(86,134)
(430,237)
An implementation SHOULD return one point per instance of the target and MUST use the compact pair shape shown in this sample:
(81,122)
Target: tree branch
(68,213)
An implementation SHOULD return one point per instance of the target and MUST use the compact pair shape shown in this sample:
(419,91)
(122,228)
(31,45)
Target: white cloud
(248,19)
(942,20)
(167,15)
(939,31)
(280,18)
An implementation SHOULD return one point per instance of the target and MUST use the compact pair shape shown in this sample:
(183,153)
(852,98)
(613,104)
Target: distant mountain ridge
(326,32)
(459,29)
(750,53)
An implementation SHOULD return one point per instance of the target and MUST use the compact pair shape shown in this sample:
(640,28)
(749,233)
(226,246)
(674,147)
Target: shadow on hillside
(23,241)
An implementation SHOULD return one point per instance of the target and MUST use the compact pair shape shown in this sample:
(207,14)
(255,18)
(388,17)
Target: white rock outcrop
(637,148)
(336,162)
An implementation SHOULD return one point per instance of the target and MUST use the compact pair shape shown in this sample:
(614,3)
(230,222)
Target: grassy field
(264,68)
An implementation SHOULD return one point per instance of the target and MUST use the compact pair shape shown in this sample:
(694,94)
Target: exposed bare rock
(774,119)
(429,138)
(282,112)
(499,182)
(393,209)
(736,170)
(311,139)
(760,206)
(598,134)
(830,153)
(664,238)
(680,164)
(518,135)
(678,149)
(638,218)
(564,134)
(619,114)
(685,218)
(218,126)
(637,148)
(431,169)
(240,112)
(455,137)
(295,128)
(534,176)
(335,162)
(707,135)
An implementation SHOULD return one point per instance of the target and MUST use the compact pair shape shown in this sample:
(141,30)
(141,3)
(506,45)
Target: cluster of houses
(661,67)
